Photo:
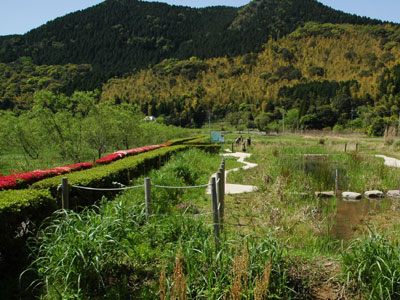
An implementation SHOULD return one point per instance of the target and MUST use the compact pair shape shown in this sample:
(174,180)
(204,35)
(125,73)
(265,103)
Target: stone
(374,194)
(325,194)
(351,195)
(393,194)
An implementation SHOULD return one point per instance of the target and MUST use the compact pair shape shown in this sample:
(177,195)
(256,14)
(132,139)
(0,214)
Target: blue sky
(20,16)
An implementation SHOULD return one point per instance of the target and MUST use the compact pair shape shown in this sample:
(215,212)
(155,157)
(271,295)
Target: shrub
(377,128)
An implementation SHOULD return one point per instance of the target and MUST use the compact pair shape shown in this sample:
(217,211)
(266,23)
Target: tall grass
(373,264)
(110,251)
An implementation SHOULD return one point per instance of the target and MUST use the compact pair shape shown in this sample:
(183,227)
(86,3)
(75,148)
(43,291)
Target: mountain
(119,36)
(322,75)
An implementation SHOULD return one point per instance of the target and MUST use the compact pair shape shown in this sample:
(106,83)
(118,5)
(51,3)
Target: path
(237,188)
(390,161)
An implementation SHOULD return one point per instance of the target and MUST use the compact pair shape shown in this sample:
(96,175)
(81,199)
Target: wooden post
(345,147)
(336,182)
(215,210)
(147,192)
(222,201)
(219,189)
(65,193)
(356,147)
(232,148)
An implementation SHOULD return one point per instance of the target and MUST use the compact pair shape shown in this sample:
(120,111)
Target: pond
(343,215)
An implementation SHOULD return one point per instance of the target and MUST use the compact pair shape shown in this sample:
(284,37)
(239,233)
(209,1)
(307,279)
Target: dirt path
(237,188)
(390,161)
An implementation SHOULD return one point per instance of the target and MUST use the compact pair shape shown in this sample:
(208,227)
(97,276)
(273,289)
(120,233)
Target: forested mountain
(118,36)
(318,76)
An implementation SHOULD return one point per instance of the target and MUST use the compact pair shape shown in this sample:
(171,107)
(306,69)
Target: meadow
(278,243)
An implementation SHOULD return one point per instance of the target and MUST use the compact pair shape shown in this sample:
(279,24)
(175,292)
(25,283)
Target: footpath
(390,161)
(237,188)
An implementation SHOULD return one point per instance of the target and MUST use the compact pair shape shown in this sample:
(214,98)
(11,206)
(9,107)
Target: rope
(106,189)
(180,187)
(182,216)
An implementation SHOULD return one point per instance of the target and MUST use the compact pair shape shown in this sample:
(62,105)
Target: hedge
(20,210)
(24,179)
(121,172)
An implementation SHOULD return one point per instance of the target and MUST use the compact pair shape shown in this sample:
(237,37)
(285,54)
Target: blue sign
(217,137)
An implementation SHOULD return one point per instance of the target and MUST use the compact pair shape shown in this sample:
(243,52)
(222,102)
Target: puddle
(349,214)
(344,215)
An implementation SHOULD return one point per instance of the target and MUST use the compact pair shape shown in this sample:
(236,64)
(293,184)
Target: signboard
(217,137)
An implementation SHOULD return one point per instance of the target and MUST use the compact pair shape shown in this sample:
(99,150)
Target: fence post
(356,147)
(336,182)
(219,190)
(345,147)
(215,210)
(222,203)
(147,192)
(232,148)
(65,193)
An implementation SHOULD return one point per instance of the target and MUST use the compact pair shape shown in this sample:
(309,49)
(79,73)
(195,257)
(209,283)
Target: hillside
(118,36)
(326,74)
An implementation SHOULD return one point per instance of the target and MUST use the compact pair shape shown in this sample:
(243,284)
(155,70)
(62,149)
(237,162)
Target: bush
(377,128)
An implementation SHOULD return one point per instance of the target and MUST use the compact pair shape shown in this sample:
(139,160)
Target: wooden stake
(65,193)
(215,210)
(147,192)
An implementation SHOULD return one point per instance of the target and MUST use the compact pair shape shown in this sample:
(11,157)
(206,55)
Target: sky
(20,16)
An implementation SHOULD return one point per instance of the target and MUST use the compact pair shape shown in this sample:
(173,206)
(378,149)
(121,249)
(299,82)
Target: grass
(110,251)
(373,264)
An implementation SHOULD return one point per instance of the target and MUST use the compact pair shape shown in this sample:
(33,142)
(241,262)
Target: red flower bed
(166,144)
(8,182)
(80,166)
(110,158)
(22,179)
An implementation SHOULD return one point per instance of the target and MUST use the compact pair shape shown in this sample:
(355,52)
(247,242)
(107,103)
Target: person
(237,141)
(244,147)
(248,141)
(241,139)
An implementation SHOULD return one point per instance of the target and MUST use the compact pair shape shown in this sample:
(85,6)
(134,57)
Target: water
(349,215)
(344,216)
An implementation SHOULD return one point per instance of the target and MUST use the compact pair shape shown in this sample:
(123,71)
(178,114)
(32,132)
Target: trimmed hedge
(121,171)
(20,211)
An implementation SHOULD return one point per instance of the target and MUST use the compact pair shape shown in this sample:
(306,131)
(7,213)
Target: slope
(118,36)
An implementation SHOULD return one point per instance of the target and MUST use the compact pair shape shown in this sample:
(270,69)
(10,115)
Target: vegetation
(116,37)
(173,253)
(373,263)
(125,250)
(60,130)
(312,77)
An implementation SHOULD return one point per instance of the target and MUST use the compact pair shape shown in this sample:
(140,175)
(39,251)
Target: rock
(325,194)
(351,195)
(393,194)
(374,194)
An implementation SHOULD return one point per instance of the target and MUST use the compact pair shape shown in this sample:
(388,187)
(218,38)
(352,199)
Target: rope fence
(106,189)
(217,185)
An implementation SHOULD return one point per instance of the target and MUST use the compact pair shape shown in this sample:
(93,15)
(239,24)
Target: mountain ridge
(119,36)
